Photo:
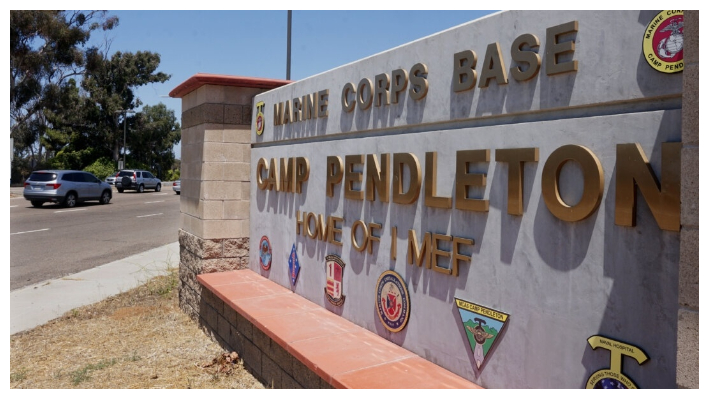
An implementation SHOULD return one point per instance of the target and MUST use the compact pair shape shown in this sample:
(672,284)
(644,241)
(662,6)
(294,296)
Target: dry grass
(138,339)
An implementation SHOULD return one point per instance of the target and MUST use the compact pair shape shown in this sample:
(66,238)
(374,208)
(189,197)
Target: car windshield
(42,176)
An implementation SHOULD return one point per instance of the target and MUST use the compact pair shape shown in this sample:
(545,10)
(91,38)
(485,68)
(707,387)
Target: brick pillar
(215,175)
(688,315)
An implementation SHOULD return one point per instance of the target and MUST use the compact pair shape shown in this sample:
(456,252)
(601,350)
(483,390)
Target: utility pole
(125,116)
(290,18)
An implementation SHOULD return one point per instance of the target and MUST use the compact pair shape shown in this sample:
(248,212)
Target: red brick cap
(201,79)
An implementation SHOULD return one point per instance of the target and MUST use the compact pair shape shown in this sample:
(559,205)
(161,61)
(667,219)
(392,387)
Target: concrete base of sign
(290,342)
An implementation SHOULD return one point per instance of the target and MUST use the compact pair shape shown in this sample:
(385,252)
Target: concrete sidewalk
(39,303)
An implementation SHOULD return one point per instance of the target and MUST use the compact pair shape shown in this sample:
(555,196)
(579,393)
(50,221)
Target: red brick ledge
(342,353)
(201,79)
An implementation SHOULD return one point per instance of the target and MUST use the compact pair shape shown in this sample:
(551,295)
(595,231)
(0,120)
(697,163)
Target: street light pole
(125,116)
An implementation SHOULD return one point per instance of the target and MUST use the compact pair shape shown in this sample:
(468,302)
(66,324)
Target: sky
(254,43)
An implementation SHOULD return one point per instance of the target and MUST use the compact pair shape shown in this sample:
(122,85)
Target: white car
(111,179)
(176,187)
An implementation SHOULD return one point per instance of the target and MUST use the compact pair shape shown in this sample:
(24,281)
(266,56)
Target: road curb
(39,303)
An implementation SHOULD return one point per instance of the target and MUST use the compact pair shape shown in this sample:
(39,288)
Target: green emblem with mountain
(483,327)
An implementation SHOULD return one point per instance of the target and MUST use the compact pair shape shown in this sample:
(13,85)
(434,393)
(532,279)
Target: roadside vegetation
(71,98)
(137,339)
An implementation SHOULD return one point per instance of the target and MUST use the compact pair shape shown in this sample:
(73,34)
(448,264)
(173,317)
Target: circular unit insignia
(264,257)
(663,42)
(393,304)
(608,379)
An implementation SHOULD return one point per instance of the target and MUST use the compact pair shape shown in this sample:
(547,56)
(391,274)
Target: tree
(110,84)
(153,138)
(45,51)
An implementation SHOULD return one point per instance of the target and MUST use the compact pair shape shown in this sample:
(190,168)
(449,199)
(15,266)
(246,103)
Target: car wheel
(120,190)
(70,200)
(105,197)
(37,204)
(158,187)
(141,188)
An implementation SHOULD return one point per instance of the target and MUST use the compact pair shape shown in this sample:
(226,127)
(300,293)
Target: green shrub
(172,175)
(102,168)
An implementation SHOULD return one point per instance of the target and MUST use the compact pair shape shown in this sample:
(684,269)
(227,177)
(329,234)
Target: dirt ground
(137,339)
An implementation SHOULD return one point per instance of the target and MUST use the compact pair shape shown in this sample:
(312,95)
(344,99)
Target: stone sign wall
(519,175)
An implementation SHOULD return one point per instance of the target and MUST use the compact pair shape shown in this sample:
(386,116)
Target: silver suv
(139,180)
(67,187)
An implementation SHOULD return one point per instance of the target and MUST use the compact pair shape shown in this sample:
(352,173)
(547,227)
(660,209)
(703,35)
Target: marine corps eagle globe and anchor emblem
(260,120)
(663,42)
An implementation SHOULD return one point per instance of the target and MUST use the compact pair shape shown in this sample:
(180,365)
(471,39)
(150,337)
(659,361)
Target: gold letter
(351,177)
(272,181)
(332,230)
(493,66)
(364,102)
(530,57)
(393,243)
(277,114)
(334,174)
(516,157)
(347,104)
(302,172)
(260,181)
(309,106)
(554,48)
(592,183)
(323,96)
(310,233)
(464,75)
(377,179)
(371,235)
(457,255)
(397,184)
(297,110)
(399,79)
(287,113)
(419,84)
(435,252)
(287,167)
(632,168)
(413,254)
(430,187)
(355,244)
(463,180)
(299,222)
(381,90)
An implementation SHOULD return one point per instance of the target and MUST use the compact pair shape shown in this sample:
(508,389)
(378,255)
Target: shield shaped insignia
(293,266)
(333,288)
(265,253)
(483,327)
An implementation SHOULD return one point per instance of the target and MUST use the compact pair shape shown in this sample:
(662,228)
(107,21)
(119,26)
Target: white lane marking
(160,194)
(70,210)
(14,206)
(152,202)
(30,231)
(145,216)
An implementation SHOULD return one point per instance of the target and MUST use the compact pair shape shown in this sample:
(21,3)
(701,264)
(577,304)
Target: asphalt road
(53,241)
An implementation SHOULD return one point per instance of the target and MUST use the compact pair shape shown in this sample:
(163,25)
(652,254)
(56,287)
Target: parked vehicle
(176,187)
(67,187)
(111,179)
(139,180)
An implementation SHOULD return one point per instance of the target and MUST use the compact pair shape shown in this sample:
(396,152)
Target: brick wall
(264,358)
